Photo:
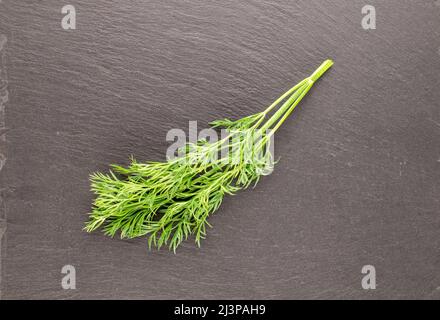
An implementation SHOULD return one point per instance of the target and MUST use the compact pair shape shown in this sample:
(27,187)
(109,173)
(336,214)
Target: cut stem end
(321,70)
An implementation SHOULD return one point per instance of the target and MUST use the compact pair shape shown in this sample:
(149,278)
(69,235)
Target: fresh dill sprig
(172,200)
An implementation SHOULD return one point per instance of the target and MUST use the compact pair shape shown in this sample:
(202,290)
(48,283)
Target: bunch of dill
(172,200)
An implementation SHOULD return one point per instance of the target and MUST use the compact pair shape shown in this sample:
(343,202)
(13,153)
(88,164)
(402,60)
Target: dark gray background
(358,179)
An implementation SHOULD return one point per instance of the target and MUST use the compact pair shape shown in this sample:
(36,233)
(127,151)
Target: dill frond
(170,201)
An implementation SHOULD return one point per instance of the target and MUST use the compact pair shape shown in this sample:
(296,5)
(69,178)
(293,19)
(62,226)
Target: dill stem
(288,112)
(300,90)
(277,101)
(321,70)
(289,102)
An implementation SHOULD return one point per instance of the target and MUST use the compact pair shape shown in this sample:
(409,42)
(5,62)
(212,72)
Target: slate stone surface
(358,182)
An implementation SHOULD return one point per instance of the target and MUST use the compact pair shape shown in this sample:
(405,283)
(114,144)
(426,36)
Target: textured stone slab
(358,179)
